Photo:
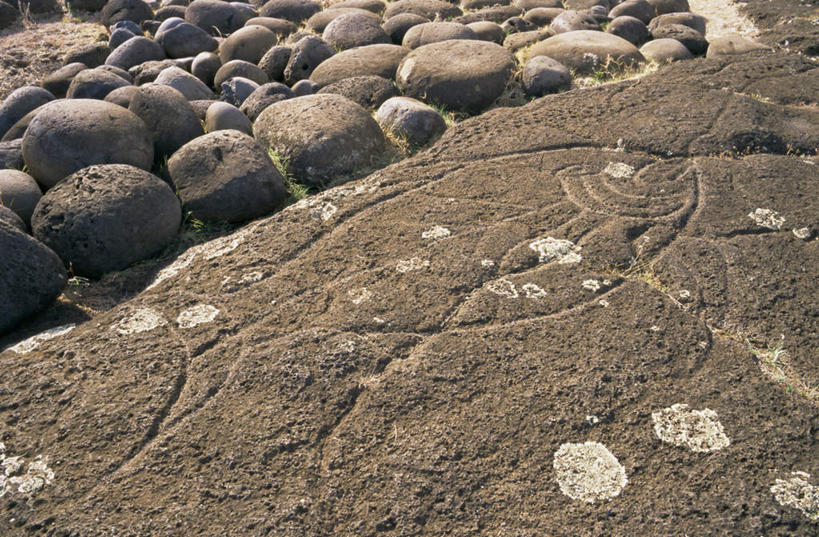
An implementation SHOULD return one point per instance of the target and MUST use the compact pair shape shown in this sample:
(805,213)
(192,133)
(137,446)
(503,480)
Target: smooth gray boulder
(106,217)
(126,10)
(572,20)
(368,91)
(214,16)
(585,51)
(68,135)
(665,50)
(94,84)
(90,54)
(134,52)
(410,119)
(122,96)
(462,74)
(264,96)
(237,89)
(372,60)
(11,154)
(433,32)
(292,10)
(226,176)
(13,219)
(19,192)
(305,87)
(281,27)
(19,103)
(355,30)
(185,83)
(429,9)
(323,137)
(239,68)
(249,44)
(397,26)
(185,39)
(488,31)
(31,277)
(168,115)
(695,22)
(205,66)
(542,75)
(58,82)
(225,116)
(320,20)
(639,9)
(629,28)
(691,38)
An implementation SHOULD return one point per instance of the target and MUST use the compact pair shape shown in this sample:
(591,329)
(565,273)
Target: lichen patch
(767,218)
(503,287)
(531,290)
(803,233)
(798,493)
(591,285)
(323,212)
(588,472)
(199,314)
(28,345)
(415,263)
(619,170)
(357,296)
(561,250)
(142,320)
(13,478)
(698,430)
(174,268)
(436,232)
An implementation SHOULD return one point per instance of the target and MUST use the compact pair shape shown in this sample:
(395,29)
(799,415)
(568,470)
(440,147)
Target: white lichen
(141,320)
(798,493)
(407,265)
(619,170)
(503,287)
(588,472)
(436,232)
(531,290)
(591,285)
(802,233)
(12,478)
(199,314)
(252,277)
(221,246)
(357,296)
(767,218)
(323,212)
(698,430)
(561,250)
(488,263)
(28,345)
(604,303)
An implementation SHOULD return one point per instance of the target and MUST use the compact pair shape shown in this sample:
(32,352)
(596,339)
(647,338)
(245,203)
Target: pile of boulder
(210,108)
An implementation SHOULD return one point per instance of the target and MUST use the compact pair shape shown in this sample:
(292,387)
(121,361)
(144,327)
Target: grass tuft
(296,189)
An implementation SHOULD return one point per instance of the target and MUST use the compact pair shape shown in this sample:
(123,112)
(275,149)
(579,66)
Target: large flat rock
(448,346)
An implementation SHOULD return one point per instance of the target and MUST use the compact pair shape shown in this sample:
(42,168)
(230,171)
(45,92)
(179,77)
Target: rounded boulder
(226,176)
(542,75)
(225,116)
(584,51)
(168,116)
(411,119)
(368,91)
(354,30)
(322,136)
(94,84)
(19,103)
(31,276)
(249,44)
(106,217)
(433,32)
(66,136)
(19,192)
(463,74)
(372,60)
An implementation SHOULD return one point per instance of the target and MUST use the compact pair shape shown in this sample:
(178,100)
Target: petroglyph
(588,472)
(698,430)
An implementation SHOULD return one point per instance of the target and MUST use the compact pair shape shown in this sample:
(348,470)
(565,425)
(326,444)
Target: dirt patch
(30,52)
(724,18)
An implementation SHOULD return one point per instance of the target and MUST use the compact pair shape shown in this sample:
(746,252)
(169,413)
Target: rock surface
(600,306)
